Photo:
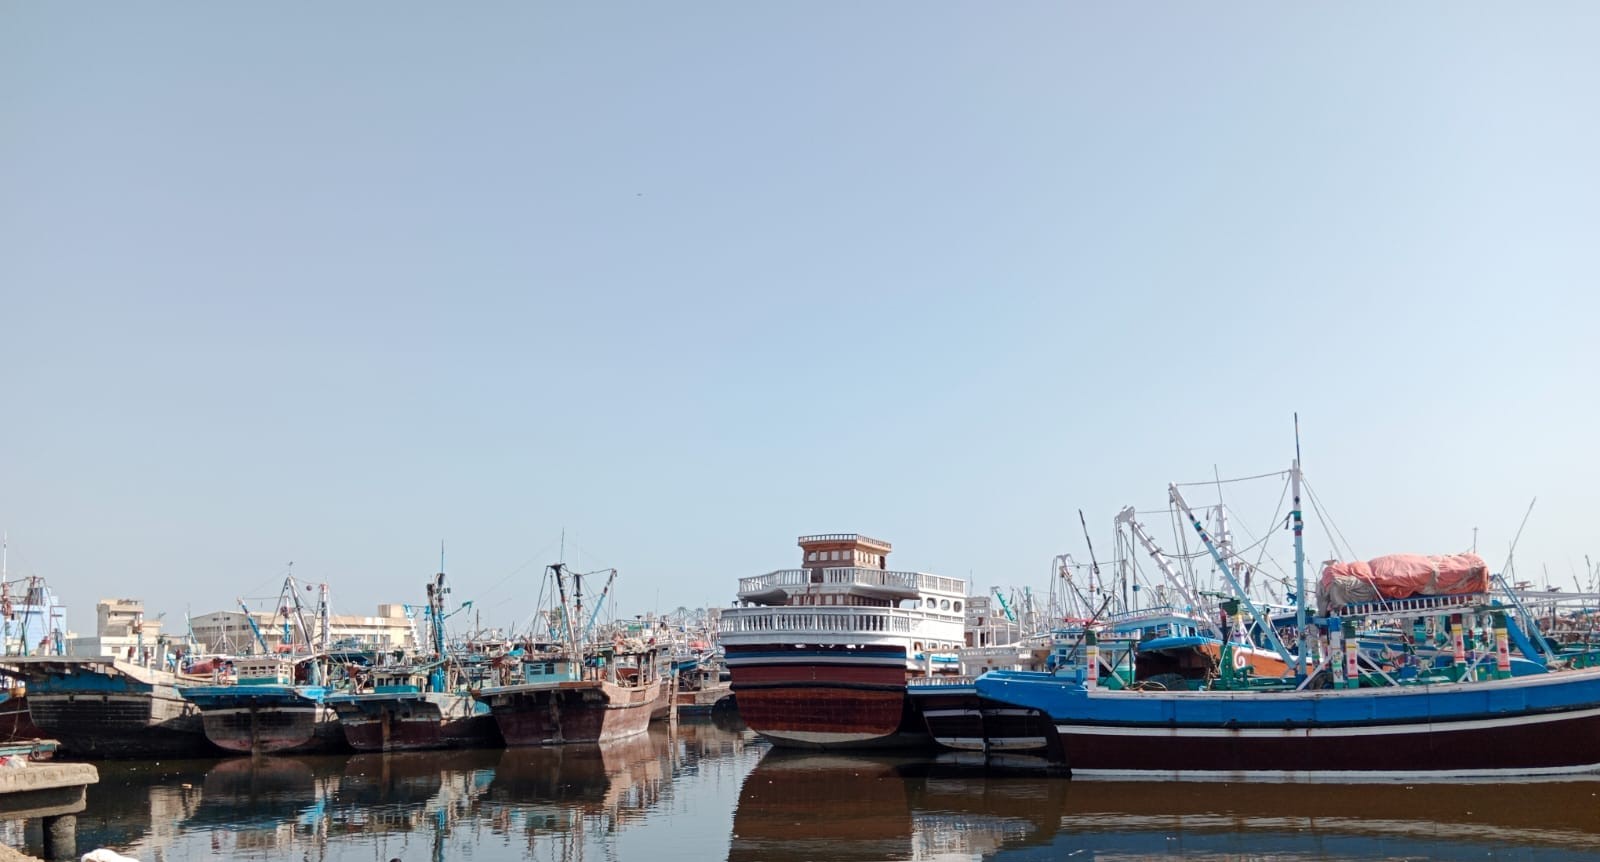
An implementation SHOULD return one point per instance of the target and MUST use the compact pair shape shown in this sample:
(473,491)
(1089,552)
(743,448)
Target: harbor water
(711,792)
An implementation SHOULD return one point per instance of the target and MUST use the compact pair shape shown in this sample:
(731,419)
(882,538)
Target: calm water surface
(717,793)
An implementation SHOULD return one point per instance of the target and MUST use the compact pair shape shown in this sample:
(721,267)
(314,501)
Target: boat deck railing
(1415,605)
(853,576)
(799,620)
(940,681)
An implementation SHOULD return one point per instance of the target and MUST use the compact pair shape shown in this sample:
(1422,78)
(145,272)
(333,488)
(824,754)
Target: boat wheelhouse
(820,655)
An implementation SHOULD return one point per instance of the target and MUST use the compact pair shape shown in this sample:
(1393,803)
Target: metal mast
(1299,559)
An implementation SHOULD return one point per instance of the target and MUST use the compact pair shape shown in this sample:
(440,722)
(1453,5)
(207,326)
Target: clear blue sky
(331,282)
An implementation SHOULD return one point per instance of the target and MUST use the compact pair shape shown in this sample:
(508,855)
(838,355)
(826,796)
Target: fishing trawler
(275,704)
(820,655)
(275,707)
(420,704)
(1337,715)
(576,692)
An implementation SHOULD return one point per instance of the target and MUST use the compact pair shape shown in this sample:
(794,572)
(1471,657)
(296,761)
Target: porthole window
(944,605)
(958,606)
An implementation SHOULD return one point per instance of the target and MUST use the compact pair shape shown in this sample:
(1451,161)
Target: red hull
(15,721)
(571,712)
(825,697)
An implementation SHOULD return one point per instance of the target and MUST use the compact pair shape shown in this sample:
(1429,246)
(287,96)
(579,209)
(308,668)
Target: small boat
(29,749)
(576,693)
(702,683)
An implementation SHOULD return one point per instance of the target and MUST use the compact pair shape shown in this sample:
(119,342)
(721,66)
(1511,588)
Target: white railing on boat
(938,681)
(846,537)
(1414,605)
(1151,613)
(854,576)
(795,619)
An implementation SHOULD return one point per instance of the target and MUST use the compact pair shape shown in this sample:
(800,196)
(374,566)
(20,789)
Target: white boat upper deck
(847,579)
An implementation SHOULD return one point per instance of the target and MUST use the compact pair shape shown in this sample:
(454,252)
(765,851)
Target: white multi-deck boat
(820,655)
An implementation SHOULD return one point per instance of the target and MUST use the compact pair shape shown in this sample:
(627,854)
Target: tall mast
(577,596)
(1299,559)
(324,619)
(566,610)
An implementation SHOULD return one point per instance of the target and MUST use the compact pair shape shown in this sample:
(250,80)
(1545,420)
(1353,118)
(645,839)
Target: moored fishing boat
(276,702)
(269,709)
(576,693)
(106,707)
(820,656)
(406,711)
(419,704)
(1338,716)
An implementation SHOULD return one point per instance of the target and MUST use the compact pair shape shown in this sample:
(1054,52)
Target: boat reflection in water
(714,792)
(570,802)
(1546,820)
(801,806)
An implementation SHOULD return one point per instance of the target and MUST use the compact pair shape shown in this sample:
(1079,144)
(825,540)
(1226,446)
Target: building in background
(121,631)
(230,632)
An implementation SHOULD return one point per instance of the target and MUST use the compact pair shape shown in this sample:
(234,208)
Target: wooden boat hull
(267,719)
(571,712)
(959,719)
(98,708)
(703,701)
(414,721)
(825,696)
(1525,726)
(16,722)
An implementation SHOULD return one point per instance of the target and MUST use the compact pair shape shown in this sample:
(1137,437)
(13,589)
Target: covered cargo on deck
(1401,576)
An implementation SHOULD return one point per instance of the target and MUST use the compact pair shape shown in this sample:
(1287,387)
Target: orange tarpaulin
(1401,576)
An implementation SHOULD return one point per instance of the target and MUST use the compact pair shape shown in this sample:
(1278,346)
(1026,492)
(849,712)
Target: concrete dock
(53,792)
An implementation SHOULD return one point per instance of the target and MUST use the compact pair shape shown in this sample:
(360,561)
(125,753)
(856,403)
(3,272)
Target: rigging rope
(1231,481)
(1312,496)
